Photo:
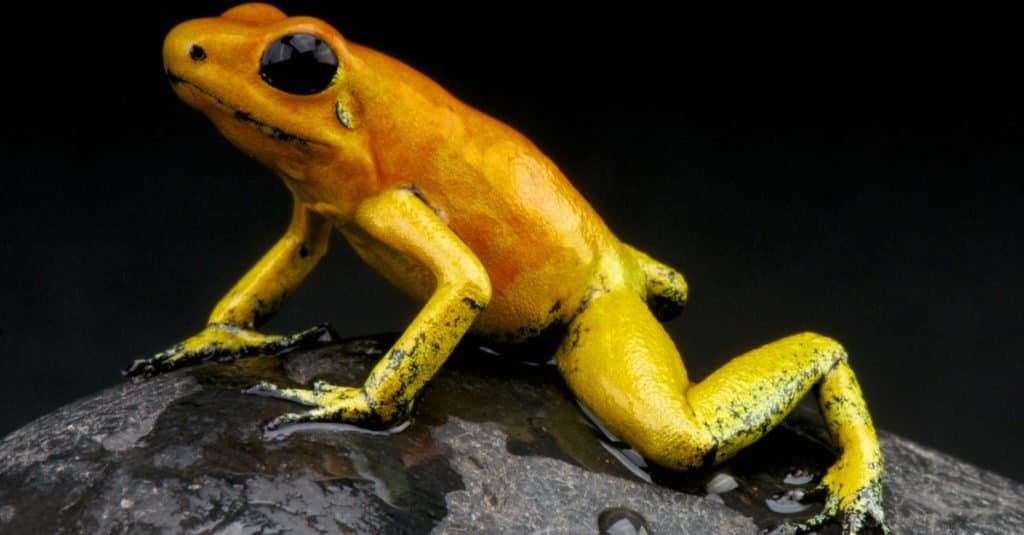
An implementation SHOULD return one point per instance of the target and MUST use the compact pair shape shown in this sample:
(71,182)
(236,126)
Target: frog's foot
(225,343)
(854,507)
(331,403)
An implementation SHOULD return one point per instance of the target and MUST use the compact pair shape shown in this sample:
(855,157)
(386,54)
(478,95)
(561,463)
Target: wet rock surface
(498,446)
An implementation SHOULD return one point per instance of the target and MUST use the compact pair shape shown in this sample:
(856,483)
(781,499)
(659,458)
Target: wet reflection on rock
(621,521)
(771,481)
(787,503)
(527,398)
(798,476)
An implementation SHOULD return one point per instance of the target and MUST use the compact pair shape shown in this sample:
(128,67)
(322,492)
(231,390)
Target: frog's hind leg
(622,364)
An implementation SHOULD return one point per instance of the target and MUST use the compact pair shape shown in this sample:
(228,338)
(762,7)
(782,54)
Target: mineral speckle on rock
(520,494)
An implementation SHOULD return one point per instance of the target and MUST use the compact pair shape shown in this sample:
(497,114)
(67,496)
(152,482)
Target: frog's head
(274,85)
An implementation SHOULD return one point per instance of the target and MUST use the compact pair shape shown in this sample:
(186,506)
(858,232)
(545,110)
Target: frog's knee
(685,446)
(819,344)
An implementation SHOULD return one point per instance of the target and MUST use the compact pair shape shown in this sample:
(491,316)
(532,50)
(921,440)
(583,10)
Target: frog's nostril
(197,53)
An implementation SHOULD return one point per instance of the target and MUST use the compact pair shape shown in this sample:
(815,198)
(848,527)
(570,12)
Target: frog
(471,219)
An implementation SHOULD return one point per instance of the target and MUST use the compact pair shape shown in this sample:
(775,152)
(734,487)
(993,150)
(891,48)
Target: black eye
(299,63)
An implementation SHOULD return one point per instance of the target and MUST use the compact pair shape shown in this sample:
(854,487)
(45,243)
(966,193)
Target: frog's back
(538,238)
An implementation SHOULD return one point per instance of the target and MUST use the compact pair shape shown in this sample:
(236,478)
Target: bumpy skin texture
(466,215)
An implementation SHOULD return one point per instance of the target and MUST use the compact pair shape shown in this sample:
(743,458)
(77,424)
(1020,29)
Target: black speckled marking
(708,460)
(271,131)
(473,303)
(265,310)
(599,288)
(667,293)
(423,198)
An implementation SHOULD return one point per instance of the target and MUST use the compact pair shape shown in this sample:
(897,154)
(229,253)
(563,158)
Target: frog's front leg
(405,230)
(230,333)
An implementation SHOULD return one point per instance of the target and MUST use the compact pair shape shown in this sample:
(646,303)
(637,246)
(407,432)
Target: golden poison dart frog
(467,216)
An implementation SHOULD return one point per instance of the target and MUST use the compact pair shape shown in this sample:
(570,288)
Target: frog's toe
(139,368)
(316,336)
(331,403)
(861,511)
(321,388)
(253,343)
(225,343)
(166,360)
(319,414)
(298,395)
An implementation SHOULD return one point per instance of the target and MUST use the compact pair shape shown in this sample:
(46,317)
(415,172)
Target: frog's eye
(299,63)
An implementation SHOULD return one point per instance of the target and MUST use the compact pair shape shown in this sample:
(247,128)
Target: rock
(498,446)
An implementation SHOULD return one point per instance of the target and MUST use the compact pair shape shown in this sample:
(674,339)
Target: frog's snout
(194,41)
(181,48)
(183,40)
(196,53)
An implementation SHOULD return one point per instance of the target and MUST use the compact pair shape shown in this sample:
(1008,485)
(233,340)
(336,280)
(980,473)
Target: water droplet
(127,503)
(621,521)
(799,476)
(787,503)
(721,483)
(714,498)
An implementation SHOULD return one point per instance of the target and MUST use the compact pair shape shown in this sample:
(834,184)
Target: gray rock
(498,446)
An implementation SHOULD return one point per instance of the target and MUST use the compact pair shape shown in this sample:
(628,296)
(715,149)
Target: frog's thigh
(622,364)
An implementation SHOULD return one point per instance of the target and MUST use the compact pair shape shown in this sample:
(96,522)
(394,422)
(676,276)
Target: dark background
(830,173)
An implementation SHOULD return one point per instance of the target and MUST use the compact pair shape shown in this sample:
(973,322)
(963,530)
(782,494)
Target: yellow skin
(468,216)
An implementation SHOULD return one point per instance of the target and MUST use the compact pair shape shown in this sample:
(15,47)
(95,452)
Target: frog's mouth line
(272,132)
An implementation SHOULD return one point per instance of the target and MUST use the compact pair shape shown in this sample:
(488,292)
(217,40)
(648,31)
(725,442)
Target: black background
(828,172)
